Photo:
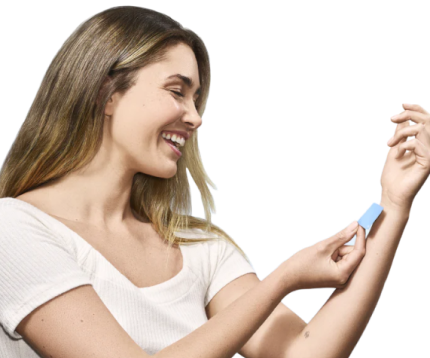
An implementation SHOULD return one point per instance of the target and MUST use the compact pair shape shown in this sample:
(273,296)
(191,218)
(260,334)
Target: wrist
(285,278)
(391,207)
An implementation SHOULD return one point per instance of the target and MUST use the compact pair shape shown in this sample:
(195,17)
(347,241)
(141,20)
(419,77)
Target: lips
(171,145)
(170,141)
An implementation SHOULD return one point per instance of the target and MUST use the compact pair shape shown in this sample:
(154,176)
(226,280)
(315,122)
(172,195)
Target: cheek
(170,112)
(171,105)
(163,112)
(138,124)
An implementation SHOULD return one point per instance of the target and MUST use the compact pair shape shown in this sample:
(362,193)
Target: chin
(165,173)
(168,176)
(158,166)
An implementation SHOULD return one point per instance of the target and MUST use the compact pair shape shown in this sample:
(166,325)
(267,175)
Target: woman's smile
(174,148)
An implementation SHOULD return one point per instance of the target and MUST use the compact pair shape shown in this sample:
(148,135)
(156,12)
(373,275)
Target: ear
(104,88)
(109,106)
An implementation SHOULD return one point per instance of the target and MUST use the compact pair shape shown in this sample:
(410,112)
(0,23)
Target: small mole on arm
(306,334)
(81,320)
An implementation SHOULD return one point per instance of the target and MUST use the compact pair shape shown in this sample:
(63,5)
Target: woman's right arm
(77,324)
(236,321)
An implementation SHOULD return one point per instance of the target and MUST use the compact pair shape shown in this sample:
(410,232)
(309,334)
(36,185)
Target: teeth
(174,138)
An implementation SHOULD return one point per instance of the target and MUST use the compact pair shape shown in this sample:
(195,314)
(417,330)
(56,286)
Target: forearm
(226,332)
(337,327)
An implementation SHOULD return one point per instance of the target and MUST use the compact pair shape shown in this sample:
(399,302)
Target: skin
(99,194)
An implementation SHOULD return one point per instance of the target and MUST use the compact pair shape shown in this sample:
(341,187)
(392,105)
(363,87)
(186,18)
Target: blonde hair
(63,129)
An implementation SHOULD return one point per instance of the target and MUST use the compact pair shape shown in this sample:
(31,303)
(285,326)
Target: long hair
(63,129)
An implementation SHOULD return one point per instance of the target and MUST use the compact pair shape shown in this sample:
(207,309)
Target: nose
(192,117)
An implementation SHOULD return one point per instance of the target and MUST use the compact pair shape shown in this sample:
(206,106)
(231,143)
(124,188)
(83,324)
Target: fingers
(416,146)
(414,112)
(414,116)
(419,134)
(399,127)
(341,238)
(404,132)
(354,257)
(360,242)
(413,106)
(345,249)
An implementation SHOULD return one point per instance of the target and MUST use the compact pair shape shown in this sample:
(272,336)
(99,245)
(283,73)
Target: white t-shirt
(41,258)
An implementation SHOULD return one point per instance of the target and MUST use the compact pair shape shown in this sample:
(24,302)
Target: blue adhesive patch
(367,220)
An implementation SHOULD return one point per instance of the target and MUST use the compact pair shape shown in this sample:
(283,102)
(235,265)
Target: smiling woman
(157,80)
(95,190)
(99,253)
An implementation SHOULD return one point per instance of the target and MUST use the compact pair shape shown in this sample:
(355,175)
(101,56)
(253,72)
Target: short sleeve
(226,264)
(36,265)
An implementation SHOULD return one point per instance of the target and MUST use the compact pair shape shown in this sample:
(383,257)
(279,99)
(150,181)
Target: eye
(181,95)
(177,93)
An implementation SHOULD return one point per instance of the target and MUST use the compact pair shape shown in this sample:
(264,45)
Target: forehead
(179,59)
(180,55)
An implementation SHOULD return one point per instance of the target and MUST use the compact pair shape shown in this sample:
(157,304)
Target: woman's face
(150,108)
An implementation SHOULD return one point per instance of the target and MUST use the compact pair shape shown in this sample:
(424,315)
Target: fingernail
(389,142)
(353,226)
(395,117)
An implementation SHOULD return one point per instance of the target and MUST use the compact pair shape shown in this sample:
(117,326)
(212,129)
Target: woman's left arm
(336,328)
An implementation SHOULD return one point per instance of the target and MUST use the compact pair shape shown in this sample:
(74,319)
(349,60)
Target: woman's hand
(404,174)
(328,263)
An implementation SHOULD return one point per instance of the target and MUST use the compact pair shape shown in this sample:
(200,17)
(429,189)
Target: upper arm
(275,335)
(77,324)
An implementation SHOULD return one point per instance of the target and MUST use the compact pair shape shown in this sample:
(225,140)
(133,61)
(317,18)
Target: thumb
(351,261)
(342,237)
(351,227)
(349,232)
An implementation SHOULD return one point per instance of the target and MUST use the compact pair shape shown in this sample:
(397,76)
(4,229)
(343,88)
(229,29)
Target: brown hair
(63,129)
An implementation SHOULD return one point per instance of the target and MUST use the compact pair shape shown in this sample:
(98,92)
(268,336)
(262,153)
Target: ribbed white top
(41,258)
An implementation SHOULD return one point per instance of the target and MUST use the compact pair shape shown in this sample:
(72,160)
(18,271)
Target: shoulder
(25,204)
(13,210)
(37,201)
(21,221)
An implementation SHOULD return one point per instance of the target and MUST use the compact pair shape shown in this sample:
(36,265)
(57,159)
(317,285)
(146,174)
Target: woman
(94,191)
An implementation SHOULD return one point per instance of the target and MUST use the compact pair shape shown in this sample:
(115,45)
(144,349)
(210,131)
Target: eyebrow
(188,81)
